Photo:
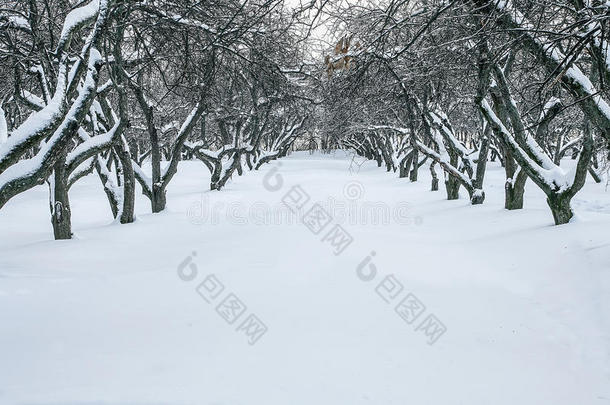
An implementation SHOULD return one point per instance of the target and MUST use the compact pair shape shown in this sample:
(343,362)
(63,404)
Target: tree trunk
(594,175)
(514,190)
(434,177)
(386,158)
(158,193)
(240,170)
(403,170)
(135,149)
(414,166)
(215,177)
(60,203)
(129,185)
(560,207)
(477,197)
(158,198)
(452,185)
(557,156)
(513,198)
(249,158)
(219,181)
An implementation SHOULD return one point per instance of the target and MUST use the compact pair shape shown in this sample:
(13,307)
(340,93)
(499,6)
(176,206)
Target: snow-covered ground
(119,315)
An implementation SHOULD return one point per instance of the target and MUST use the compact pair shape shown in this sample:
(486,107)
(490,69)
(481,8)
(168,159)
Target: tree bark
(129,184)
(158,198)
(434,177)
(514,189)
(594,175)
(403,170)
(452,185)
(560,207)
(415,166)
(60,202)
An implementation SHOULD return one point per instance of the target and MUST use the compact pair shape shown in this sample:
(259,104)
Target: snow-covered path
(119,315)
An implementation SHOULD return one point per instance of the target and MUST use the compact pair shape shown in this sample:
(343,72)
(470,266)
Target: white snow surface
(105,319)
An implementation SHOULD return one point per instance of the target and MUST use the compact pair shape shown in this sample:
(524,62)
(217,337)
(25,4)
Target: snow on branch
(92,146)
(143,179)
(29,172)
(281,143)
(32,100)
(36,126)
(15,22)
(82,170)
(46,121)
(548,108)
(445,164)
(440,120)
(547,176)
(76,19)
(590,99)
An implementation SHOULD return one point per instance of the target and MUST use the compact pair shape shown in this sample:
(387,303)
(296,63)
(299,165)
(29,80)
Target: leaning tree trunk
(105,179)
(594,175)
(60,203)
(219,179)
